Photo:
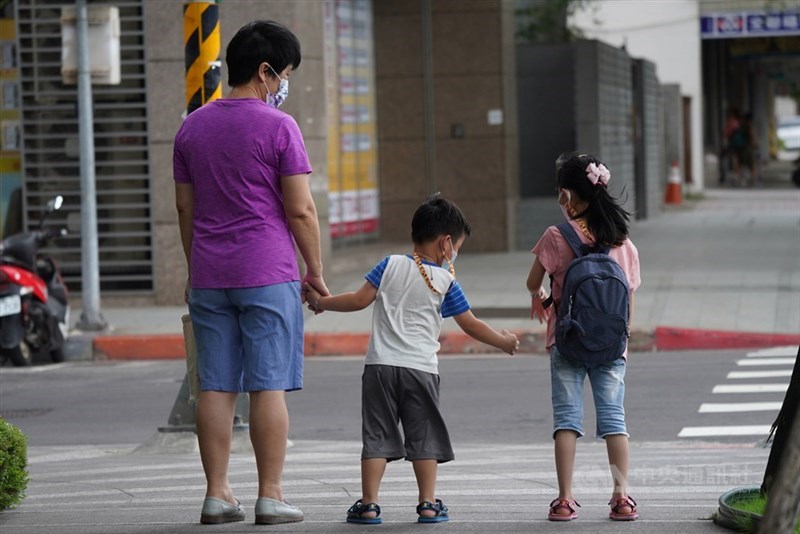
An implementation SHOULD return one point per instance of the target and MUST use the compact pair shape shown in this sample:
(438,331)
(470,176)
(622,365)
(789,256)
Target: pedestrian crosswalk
(116,489)
(772,384)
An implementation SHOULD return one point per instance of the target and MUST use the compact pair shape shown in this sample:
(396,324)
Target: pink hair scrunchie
(598,174)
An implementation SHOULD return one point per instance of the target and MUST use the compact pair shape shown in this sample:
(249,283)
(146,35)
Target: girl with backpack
(587,329)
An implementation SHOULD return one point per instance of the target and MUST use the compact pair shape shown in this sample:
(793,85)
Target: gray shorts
(392,395)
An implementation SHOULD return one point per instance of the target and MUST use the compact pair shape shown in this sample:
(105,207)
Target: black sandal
(439,509)
(355,513)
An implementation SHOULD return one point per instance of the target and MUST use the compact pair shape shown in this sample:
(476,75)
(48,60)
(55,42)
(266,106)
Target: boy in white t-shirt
(413,293)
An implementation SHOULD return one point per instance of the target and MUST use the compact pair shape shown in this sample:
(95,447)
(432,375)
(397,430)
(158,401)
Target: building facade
(396,99)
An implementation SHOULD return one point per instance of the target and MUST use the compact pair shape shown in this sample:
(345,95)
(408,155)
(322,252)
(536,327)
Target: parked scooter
(34,310)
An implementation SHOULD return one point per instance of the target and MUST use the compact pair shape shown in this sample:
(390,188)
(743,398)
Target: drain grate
(19,414)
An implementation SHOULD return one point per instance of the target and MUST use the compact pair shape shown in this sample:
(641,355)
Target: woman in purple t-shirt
(241,181)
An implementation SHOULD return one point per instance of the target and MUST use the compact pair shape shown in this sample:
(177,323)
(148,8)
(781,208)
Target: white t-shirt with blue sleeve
(407,317)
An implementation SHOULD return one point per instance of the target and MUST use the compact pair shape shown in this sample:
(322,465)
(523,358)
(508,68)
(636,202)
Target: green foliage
(13,461)
(755,504)
(545,21)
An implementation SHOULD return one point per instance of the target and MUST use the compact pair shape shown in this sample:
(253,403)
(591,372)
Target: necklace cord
(424,274)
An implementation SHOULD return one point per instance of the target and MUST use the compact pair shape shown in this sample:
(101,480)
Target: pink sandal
(616,504)
(561,504)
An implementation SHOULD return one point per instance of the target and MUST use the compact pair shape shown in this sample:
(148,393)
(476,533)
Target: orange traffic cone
(674,195)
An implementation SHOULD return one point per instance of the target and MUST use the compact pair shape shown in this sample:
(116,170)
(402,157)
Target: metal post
(428,98)
(91,319)
(201,39)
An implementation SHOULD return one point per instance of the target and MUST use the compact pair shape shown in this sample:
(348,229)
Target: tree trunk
(783,502)
(782,428)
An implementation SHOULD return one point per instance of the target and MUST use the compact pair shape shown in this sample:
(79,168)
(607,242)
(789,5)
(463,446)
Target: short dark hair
(258,42)
(436,217)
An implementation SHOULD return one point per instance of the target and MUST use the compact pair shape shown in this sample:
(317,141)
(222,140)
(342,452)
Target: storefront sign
(750,24)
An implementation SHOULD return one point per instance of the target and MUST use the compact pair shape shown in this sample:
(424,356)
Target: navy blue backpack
(592,317)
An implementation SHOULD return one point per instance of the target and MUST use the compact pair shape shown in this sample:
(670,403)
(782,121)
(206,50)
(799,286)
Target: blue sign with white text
(750,24)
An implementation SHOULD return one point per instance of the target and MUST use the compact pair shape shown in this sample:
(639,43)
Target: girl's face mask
(564,198)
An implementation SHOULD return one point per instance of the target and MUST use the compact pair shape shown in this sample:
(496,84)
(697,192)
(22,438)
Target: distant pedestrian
(599,223)
(743,144)
(241,182)
(728,160)
(413,293)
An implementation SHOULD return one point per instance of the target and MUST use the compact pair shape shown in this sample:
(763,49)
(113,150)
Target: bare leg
(372,470)
(565,444)
(215,410)
(617,447)
(425,471)
(269,430)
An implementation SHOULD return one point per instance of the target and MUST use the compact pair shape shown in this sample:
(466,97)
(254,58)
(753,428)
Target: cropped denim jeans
(608,389)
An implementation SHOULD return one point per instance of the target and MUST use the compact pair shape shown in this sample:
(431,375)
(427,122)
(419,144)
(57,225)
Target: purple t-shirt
(234,153)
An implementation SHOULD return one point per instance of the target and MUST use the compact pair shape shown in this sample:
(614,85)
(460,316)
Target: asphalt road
(483,399)
(88,475)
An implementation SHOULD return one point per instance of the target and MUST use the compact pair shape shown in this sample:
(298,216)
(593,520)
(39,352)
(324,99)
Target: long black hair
(606,219)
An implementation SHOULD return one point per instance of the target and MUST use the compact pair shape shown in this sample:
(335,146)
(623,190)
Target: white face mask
(564,197)
(453,255)
(280,97)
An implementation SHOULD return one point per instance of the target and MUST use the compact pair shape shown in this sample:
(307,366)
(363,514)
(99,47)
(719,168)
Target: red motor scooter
(34,309)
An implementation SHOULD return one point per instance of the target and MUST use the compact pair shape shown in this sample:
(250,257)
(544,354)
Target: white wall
(666,32)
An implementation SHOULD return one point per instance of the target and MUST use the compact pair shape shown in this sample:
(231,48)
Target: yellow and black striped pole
(201,39)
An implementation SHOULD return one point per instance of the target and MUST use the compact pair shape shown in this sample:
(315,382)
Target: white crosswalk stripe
(766,361)
(773,352)
(728,407)
(770,358)
(750,388)
(736,430)
(733,375)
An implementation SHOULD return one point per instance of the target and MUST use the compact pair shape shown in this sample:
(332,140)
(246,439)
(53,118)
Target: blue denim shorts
(608,389)
(249,339)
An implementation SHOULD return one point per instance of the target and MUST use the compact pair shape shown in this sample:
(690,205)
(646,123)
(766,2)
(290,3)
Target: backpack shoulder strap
(578,248)
(574,242)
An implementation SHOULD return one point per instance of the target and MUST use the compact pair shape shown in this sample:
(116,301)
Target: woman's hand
(313,287)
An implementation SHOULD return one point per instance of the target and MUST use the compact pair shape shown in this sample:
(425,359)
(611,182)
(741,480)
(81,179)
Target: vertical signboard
(10,161)
(352,132)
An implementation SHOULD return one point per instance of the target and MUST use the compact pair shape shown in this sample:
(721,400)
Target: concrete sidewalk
(721,271)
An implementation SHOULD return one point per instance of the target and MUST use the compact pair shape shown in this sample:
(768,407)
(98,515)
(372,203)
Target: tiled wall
(654,169)
(604,100)
(471,73)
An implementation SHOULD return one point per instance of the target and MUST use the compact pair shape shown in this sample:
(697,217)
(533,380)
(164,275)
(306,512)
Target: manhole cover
(19,414)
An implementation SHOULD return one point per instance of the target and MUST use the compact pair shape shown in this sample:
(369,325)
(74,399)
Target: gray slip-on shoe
(217,511)
(273,512)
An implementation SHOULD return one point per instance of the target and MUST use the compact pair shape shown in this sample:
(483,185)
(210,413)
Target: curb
(667,338)
(170,346)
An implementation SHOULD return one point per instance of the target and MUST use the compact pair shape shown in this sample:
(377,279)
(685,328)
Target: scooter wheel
(57,355)
(20,355)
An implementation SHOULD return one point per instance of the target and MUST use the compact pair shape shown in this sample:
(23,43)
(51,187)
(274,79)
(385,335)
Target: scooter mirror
(55,203)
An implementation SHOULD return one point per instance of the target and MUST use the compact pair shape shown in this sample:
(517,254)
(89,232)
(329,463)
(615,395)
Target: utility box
(104,47)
